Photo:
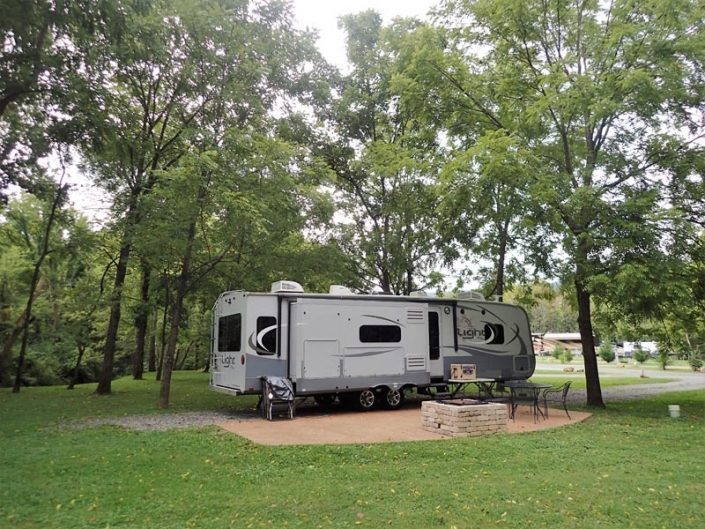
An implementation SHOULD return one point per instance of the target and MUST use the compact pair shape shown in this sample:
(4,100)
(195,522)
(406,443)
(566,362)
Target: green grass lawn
(578,380)
(628,466)
(651,364)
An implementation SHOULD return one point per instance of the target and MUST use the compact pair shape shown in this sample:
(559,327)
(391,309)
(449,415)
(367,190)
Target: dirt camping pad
(343,427)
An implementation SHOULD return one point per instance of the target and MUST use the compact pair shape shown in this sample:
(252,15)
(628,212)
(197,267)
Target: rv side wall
(344,344)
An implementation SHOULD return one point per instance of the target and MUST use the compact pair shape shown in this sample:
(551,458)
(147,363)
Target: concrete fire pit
(464,417)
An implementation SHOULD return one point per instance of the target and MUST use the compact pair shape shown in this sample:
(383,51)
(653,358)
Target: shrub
(695,363)
(606,352)
(558,352)
(663,358)
(567,356)
(639,355)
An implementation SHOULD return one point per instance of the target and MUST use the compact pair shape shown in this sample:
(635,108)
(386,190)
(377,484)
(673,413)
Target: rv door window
(434,345)
(380,333)
(266,335)
(229,332)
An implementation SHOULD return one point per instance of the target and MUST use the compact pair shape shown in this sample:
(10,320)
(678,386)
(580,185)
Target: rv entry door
(440,337)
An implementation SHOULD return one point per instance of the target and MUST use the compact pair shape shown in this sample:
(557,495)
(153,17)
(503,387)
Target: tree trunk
(160,364)
(33,284)
(162,349)
(592,377)
(6,353)
(501,262)
(141,322)
(182,361)
(106,373)
(181,288)
(152,361)
(74,377)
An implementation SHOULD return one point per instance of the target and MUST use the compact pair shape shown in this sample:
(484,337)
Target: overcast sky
(323,16)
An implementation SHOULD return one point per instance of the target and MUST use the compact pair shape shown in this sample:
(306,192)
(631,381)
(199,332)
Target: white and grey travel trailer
(364,347)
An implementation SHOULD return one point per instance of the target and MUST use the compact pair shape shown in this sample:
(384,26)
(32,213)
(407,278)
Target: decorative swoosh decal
(383,319)
(516,334)
(483,351)
(369,353)
(261,350)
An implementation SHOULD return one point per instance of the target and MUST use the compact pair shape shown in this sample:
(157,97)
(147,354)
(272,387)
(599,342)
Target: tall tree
(602,96)
(49,48)
(383,164)
(57,200)
(152,97)
(484,191)
(254,60)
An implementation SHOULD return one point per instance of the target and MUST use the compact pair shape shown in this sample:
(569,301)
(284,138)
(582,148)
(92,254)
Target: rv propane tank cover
(286,286)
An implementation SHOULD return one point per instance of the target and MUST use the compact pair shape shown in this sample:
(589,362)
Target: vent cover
(414,316)
(286,286)
(415,363)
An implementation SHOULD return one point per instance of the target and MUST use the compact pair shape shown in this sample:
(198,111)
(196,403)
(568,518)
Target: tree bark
(182,360)
(181,288)
(152,360)
(35,280)
(501,265)
(592,376)
(106,373)
(141,322)
(162,349)
(6,352)
(74,377)
(160,364)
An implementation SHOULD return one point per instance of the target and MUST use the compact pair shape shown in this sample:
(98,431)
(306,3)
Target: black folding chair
(277,397)
(559,395)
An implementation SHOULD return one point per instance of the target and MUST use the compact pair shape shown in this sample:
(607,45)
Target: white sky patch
(323,16)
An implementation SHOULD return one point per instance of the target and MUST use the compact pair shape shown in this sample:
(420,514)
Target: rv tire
(393,398)
(366,399)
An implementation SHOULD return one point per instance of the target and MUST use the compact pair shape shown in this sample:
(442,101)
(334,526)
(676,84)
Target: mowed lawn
(628,466)
(578,381)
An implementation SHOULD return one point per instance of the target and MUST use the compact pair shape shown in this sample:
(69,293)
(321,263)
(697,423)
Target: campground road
(684,381)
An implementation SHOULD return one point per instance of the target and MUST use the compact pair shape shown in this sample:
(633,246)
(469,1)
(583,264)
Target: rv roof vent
(286,286)
(470,294)
(340,290)
(418,294)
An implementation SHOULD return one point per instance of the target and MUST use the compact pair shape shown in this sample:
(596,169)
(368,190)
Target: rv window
(229,331)
(266,335)
(380,333)
(434,345)
(494,333)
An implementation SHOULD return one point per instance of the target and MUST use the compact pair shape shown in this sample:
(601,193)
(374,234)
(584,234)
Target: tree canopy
(521,144)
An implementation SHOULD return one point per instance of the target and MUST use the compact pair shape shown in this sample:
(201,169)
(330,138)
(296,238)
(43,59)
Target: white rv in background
(365,348)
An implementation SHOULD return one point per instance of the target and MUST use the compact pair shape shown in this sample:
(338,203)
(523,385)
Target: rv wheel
(366,399)
(393,398)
